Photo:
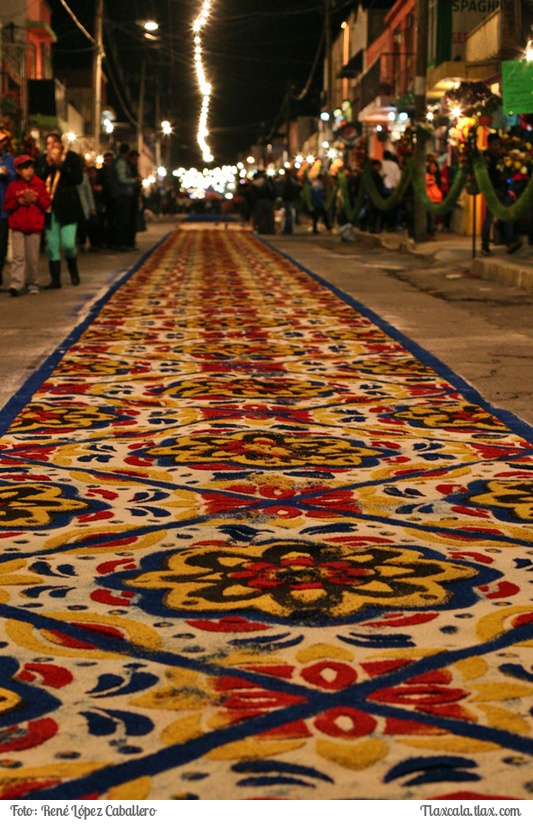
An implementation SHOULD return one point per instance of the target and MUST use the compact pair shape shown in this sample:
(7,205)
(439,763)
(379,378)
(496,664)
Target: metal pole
(140,135)
(420,221)
(474,225)
(328,102)
(97,72)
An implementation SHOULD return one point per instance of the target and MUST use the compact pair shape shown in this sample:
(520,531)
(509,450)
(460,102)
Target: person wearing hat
(26,202)
(7,174)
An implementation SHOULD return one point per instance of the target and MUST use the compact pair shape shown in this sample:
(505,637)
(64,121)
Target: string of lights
(204,85)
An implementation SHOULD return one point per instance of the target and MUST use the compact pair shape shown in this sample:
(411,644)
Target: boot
(54,267)
(72,266)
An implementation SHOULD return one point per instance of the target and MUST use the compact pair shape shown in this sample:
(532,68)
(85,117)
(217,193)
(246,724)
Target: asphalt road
(480,329)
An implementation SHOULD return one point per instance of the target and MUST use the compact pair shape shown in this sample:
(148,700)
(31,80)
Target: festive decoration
(473,99)
(204,85)
(256,544)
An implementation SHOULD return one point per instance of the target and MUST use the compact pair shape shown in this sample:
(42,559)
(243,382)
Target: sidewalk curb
(512,274)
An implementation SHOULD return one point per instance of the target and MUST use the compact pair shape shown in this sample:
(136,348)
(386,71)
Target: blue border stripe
(515,424)
(23,395)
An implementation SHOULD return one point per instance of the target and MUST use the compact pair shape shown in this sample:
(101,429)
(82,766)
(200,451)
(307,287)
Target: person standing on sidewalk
(121,188)
(63,172)
(26,203)
(7,175)
(499,182)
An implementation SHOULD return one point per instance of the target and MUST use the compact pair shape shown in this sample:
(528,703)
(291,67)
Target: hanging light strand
(204,85)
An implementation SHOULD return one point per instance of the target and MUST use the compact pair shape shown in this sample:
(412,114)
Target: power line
(78,23)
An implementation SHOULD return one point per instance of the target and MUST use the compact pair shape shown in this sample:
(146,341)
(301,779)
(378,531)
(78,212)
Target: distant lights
(456,111)
(324,116)
(166,127)
(529,51)
(205,87)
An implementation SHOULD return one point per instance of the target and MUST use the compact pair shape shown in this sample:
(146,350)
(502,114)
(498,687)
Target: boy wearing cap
(26,202)
(7,174)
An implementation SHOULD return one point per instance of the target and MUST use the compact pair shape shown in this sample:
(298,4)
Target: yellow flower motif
(515,496)
(29,505)
(14,574)
(55,416)
(297,578)
(265,449)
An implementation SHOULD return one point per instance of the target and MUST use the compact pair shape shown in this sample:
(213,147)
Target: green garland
(381,202)
(449,201)
(507,213)
(410,175)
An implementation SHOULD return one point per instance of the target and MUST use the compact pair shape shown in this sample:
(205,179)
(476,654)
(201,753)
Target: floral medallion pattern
(252,546)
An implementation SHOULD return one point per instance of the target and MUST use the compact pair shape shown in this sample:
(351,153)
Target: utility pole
(140,135)
(97,72)
(420,220)
(327,22)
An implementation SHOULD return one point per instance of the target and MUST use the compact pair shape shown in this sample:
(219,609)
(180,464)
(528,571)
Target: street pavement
(468,312)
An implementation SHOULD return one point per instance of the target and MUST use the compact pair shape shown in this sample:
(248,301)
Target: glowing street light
(150,25)
(166,127)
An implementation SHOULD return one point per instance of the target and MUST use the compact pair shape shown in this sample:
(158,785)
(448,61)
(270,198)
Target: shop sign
(517,82)
(466,15)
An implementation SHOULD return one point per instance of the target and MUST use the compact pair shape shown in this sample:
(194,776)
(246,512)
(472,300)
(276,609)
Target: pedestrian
(499,182)
(96,228)
(434,192)
(391,174)
(121,184)
(375,214)
(318,205)
(62,171)
(263,198)
(26,202)
(135,204)
(7,175)
(290,196)
(88,205)
(106,210)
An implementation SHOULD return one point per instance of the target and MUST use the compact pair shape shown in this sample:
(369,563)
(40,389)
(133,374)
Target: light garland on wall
(205,87)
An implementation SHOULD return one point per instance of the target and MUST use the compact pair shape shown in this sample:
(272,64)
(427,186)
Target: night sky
(253,49)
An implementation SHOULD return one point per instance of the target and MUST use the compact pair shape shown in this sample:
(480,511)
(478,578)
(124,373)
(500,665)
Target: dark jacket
(8,161)
(27,219)
(66,203)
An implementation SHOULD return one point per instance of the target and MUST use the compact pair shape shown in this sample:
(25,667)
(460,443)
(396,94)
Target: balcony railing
(391,75)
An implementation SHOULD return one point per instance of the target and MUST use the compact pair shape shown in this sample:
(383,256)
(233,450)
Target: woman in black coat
(62,172)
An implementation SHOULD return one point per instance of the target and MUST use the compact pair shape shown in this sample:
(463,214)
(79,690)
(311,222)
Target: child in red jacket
(26,203)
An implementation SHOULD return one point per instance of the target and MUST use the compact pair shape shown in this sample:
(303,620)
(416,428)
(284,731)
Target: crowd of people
(56,202)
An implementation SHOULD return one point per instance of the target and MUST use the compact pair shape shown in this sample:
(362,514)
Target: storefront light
(403,117)
(529,51)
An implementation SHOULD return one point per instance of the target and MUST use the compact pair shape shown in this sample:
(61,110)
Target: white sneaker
(33,289)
